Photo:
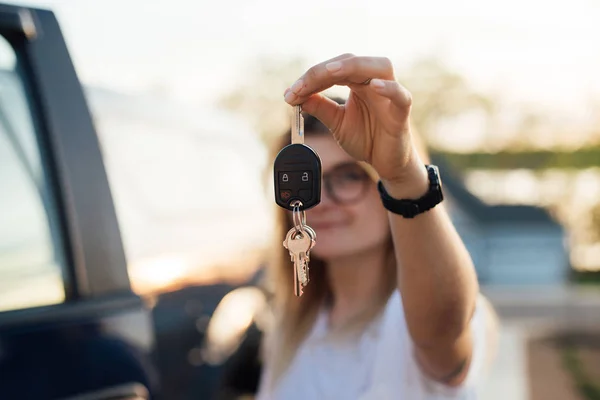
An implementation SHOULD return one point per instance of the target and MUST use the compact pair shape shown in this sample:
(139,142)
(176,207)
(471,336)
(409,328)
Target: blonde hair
(294,316)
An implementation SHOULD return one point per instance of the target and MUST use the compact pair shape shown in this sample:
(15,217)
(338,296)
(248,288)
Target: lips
(327,225)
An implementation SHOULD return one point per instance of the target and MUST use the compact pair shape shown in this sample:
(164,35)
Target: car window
(30,270)
(188,187)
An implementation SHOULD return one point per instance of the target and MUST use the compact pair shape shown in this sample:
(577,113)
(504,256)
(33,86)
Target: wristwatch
(412,208)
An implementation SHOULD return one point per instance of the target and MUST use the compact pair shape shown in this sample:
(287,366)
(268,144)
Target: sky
(532,51)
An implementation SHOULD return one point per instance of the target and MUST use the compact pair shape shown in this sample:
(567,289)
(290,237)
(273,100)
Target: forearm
(436,277)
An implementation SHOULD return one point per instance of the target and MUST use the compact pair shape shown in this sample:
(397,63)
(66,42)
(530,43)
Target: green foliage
(534,159)
(595,221)
(438,93)
(591,278)
(586,386)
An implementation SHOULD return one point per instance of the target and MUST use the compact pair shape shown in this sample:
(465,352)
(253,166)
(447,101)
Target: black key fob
(297,175)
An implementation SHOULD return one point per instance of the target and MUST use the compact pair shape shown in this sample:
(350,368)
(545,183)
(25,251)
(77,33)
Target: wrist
(410,184)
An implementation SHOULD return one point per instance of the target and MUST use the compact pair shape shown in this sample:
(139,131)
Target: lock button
(287,178)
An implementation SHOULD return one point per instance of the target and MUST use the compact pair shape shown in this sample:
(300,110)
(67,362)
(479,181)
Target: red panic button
(285,194)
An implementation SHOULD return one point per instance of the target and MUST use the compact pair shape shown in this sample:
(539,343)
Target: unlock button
(305,180)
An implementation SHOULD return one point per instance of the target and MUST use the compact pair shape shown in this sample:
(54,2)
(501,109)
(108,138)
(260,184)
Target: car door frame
(95,267)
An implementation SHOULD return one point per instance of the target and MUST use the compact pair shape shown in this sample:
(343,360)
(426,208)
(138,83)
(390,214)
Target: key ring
(298,216)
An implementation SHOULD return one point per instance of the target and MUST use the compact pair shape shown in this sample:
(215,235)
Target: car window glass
(30,270)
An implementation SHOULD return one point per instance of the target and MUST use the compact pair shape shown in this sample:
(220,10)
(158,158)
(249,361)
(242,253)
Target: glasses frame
(331,192)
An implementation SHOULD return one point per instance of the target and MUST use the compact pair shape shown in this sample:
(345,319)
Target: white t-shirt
(379,365)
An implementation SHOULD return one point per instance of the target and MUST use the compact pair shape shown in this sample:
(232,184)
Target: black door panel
(86,349)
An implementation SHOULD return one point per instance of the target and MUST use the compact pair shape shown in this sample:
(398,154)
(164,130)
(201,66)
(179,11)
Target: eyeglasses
(346,183)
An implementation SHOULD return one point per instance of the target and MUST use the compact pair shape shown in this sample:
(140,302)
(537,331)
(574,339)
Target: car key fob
(297,174)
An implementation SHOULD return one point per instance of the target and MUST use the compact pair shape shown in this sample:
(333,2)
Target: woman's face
(350,218)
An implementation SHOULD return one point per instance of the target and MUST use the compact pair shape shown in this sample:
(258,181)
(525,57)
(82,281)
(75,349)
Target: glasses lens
(347,182)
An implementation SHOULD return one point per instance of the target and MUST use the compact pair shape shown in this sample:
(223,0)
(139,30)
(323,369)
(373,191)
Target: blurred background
(186,96)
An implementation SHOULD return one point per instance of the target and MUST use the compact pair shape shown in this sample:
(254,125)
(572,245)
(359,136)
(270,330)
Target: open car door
(70,325)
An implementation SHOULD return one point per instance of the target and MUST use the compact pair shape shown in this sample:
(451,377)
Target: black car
(71,327)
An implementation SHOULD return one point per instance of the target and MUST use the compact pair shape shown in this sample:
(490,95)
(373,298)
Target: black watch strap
(412,208)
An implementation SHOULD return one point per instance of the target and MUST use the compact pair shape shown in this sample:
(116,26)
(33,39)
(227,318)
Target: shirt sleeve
(477,366)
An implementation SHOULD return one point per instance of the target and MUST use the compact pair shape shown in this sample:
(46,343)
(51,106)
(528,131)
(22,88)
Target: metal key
(313,236)
(297,126)
(299,252)
(299,245)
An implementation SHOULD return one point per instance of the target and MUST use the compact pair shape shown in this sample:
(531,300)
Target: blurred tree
(595,222)
(587,157)
(439,93)
(529,121)
(259,98)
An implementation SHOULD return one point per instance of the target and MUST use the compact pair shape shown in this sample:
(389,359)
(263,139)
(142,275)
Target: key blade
(299,277)
(305,270)
(302,269)
(297,284)
(297,126)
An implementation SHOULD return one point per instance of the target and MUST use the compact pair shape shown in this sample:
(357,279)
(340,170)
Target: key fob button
(285,194)
(285,177)
(305,180)
(305,194)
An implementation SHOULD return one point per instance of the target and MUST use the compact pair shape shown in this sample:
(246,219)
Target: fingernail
(377,83)
(333,66)
(297,86)
(290,96)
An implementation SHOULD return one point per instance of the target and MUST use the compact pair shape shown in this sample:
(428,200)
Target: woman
(393,307)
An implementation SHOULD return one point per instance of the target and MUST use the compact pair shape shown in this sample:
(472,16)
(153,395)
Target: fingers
(398,94)
(330,112)
(344,70)
(325,110)
(314,75)
(359,69)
